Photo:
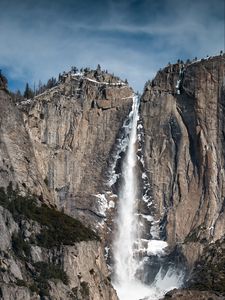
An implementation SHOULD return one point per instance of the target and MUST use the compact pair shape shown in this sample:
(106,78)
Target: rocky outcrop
(209,271)
(183,117)
(57,146)
(73,128)
(182,111)
(36,263)
(192,294)
(17,159)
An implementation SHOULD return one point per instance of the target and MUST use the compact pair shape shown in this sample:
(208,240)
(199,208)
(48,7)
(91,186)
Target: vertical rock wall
(183,115)
(73,128)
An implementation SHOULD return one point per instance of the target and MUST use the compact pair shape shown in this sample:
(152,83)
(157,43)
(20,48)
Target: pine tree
(3,80)
(18,96)
(98,68)
(28,93)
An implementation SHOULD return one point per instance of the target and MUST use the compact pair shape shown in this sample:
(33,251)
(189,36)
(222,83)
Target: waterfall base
(135,290)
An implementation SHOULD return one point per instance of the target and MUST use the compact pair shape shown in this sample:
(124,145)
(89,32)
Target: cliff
(45,254)
(73,128)
(182,111)
(57,147)
(61,154)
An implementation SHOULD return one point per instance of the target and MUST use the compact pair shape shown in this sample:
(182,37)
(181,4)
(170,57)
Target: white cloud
(40,43)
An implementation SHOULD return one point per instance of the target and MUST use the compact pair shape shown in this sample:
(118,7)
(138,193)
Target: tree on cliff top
(3,80)
(28,93)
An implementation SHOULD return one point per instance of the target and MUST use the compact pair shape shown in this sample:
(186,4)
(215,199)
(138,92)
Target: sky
(132,39)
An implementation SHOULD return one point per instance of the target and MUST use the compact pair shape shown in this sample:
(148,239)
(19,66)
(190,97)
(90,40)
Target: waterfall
(128,244)
(125,263)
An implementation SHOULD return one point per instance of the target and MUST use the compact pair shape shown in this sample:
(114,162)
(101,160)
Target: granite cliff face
(73,128)
(57,147)
(17,159)
(61,147)
(183,116)
(45,254)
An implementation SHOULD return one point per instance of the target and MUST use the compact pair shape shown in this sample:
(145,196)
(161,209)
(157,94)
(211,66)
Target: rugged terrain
(57,147)
(183,116)
(56,154)
(45,254)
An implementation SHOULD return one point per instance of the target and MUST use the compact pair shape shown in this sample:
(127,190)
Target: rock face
(57,146)
(183,116)
(209,271)
(73,128)
(17,159)
(182,111)
(36,263)
(195,295)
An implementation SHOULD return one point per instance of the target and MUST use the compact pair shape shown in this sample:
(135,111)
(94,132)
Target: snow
(145,198)
(144,176)
(103,82)
(154,230)
(121,146)
(147,217)
(106,252)
(78,74)
(111,204)
(25,102)
(156,247)
(127,97)
(178,84)
(102,204)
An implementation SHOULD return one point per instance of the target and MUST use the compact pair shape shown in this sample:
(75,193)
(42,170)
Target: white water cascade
(127,243)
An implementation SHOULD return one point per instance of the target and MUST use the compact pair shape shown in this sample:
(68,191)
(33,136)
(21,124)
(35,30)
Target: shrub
(59,228)
(47,271)
(20,247)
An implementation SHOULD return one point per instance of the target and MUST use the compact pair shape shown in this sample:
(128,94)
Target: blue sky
(132,39)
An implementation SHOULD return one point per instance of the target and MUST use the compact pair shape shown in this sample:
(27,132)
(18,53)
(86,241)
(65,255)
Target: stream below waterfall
(136,259)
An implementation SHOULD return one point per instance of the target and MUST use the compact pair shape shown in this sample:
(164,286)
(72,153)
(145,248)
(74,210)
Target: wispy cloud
(39,39)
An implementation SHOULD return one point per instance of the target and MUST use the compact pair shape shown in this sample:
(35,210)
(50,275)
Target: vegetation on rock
(57,227)
(209,273)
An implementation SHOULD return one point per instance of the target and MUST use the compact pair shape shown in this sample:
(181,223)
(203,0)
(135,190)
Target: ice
(131,252)
(102,204)
(25,102)
(178,84)
(111,204)
(120,83)
(156,247)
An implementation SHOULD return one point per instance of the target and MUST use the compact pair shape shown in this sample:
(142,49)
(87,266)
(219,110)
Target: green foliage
(3,81)
(20,247)
(61,229)
(48,271)
(20,282)
(44,272)
(28,93)
(34,288)
(209,272)
(58,228)
(193,236)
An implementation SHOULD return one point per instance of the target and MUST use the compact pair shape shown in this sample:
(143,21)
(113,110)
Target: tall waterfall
(128,264)
(125,262)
